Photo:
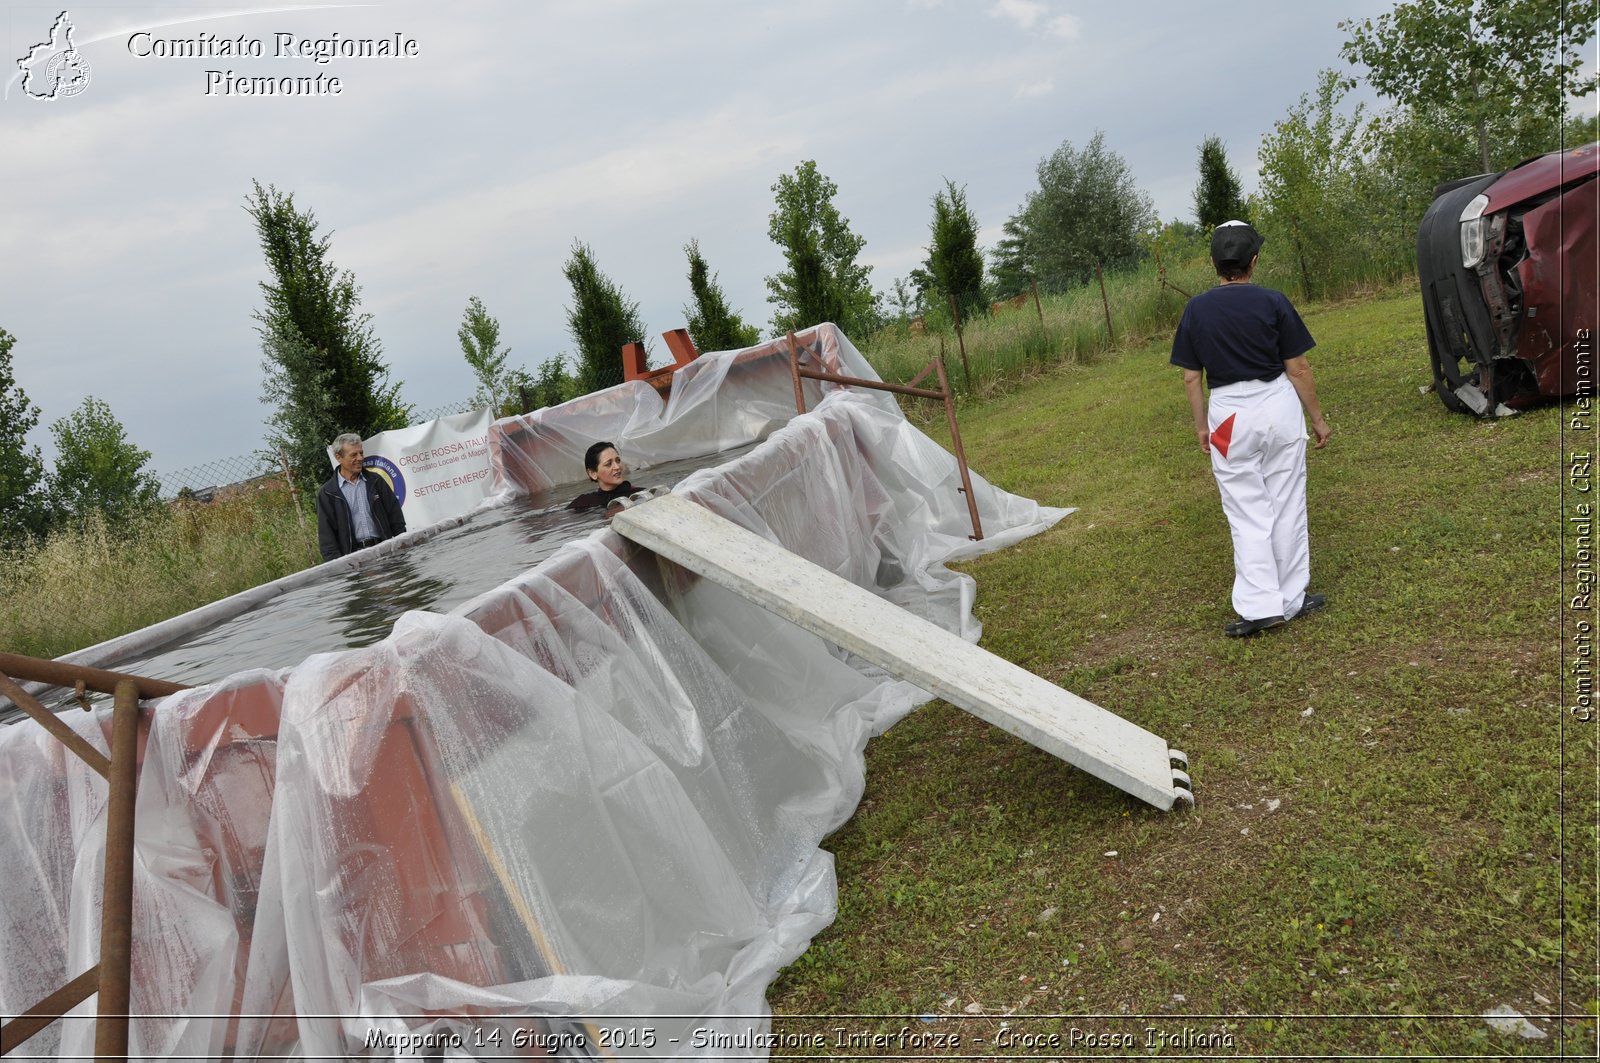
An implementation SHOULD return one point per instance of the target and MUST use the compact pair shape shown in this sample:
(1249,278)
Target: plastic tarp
(718,402)
(578,816)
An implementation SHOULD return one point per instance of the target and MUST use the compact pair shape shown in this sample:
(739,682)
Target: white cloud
(1036,88)
(639,179)
(964,79)
(1066,27)
(1025,13)
(1028,14)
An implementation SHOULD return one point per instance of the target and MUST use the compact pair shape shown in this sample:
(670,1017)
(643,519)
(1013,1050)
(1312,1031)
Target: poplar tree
(323,366)
(713,325)
(953,257)
(479,336)
(1217,198)
(601,320)
(823,281)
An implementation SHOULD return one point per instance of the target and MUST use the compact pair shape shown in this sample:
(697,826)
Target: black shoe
(1240,628)
(1310,604)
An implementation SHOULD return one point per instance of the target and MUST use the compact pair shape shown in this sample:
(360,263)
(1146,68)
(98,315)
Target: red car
(1507,263)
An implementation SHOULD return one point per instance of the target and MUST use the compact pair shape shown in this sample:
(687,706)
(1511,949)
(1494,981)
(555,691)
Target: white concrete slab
(991,688)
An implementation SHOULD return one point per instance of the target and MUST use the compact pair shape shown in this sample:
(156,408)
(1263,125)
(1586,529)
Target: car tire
(1445,387)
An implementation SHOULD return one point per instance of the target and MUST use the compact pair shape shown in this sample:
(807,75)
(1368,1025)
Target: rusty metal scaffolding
(111,977)
(797,369)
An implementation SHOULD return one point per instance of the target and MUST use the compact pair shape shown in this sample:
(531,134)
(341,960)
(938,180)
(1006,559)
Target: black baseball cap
(1234,244)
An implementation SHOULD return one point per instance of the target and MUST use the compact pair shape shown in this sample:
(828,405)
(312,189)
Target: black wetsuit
(595,499)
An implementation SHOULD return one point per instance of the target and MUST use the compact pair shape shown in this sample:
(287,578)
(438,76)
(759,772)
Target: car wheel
(1446,379)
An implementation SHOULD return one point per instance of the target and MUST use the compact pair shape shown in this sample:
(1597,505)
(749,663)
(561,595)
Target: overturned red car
(1507,263)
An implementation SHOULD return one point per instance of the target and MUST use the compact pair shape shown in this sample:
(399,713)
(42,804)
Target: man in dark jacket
(355,509)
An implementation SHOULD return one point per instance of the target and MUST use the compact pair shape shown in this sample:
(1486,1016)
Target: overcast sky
(130,270)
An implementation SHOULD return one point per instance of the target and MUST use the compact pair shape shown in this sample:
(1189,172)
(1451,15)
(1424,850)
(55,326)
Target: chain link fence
(424,416)
(206,479)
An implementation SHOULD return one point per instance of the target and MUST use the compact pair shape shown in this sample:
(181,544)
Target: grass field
(84,584)
(1378,839)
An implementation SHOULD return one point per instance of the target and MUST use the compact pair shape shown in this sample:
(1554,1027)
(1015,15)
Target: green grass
(83,585)
(1409,737)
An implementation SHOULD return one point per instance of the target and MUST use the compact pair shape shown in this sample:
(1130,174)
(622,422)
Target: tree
(823,281)
(924,291)
(479,335)
(1011,263)
(1087,211)
(903,303)
(953,256)
(1497,74)
(809,292)
(601,319)
(712,323)
(1580,128)
(1217,197)
(553,385)
(324,372)
(1314,178)
(97,469)
(22,504)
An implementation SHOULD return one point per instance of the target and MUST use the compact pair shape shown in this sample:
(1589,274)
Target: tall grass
(1013,345)
(87,583)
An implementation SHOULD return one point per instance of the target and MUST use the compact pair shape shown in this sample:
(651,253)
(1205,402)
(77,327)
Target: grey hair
(345,440)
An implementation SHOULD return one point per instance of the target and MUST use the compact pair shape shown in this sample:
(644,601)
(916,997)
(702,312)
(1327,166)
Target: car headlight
(1472,230)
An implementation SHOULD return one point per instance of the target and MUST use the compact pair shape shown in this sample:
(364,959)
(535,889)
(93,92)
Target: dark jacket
(335,526)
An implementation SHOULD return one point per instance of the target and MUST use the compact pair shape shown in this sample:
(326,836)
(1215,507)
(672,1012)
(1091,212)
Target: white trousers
(1258,454)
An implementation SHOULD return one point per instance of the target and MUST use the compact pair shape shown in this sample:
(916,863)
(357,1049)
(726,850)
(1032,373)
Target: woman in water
(604,466)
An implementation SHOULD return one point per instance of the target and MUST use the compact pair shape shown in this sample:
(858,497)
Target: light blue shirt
(355,496)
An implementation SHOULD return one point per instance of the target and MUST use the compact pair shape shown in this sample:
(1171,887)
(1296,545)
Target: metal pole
(294,493)
(116,918)
(1105,302)
(294,497)
(60,674)
(876,385)
(1161,276)
(904,389)
(955,315)
(796,372)
(961,453)
(52,723)
(48,1010)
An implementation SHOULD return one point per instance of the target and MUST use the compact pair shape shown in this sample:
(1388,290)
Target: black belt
(362,544)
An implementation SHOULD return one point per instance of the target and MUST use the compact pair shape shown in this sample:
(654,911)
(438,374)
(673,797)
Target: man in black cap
(1249,346)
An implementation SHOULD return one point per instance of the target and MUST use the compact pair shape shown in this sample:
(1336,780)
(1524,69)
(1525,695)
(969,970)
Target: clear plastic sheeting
(718,402)
(579,816)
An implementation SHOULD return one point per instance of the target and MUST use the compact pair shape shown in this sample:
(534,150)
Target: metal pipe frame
(60,674)
(943,395)
(112,977)
(116,914)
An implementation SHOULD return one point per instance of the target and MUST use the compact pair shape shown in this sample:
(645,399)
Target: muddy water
(359,607)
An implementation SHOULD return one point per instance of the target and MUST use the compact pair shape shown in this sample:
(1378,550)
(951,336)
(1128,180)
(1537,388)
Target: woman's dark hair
(591,457)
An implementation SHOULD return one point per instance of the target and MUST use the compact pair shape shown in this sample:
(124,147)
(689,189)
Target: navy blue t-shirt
(1239,332)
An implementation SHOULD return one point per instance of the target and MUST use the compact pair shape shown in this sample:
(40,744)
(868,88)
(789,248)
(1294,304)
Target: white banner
(438,470)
